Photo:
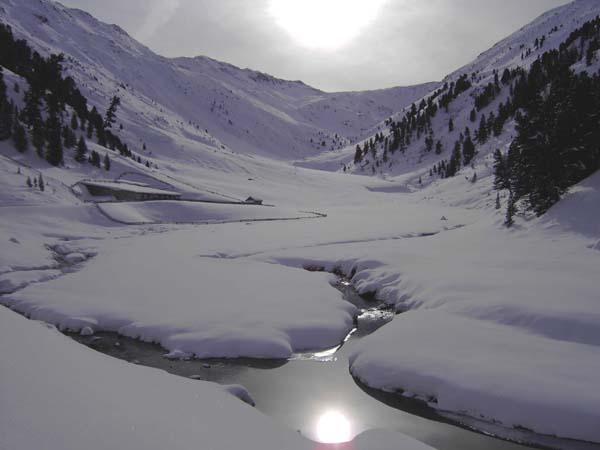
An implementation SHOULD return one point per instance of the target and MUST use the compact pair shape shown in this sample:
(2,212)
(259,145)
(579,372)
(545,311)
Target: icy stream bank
(298,390)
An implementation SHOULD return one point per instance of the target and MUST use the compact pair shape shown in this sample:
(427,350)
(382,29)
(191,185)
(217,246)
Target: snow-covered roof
(129,187)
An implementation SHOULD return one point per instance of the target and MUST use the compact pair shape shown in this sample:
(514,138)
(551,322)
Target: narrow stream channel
(297,392)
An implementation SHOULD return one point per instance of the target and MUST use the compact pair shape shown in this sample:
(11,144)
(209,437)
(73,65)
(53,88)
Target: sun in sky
(324,24)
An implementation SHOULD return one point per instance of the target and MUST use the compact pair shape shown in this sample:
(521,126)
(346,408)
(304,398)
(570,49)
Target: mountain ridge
(203,111)
(102,55)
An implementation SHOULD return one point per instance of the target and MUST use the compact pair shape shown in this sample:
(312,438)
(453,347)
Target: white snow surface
(57,394)
(205,306)
(501,324)
(13,281)
(240,392)
(488,371)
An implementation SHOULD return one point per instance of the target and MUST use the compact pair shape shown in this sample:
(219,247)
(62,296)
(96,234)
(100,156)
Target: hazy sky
(331,44)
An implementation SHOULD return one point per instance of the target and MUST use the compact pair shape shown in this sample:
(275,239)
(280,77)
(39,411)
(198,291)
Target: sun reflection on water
(333,428)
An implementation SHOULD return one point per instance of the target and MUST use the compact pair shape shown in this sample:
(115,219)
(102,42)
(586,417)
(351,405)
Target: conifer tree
(6,112)
(510,211)
(81,150)
(454,164)
(41,184)
(69,138)
(357,155)
(500,171)
(111,112)
(473,115)
(468,150)
(505,76)
(106,162)
(497,200)
(591,52)
(94,158)
(38,138)
(482,131)
(74,122)
(429,143)
(31,114)
(101,137)
(29,183)
(539,169)
(54,152)
(20,137)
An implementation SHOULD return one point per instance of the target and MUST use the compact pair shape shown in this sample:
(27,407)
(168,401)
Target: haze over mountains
(131,204)
(242,109)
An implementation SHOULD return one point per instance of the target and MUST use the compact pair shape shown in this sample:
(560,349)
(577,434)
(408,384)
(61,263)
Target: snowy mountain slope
(199,99)
(519,50)
(436,247)
(555,24)
(577,211)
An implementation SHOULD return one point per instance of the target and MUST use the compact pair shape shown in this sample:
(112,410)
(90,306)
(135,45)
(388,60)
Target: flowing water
(299,392)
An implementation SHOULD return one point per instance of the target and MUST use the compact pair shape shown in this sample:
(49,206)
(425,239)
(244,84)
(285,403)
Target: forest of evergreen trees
(44,121)
(557,115)
(558,125)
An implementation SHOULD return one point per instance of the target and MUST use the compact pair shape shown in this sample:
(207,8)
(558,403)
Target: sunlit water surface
(315,394)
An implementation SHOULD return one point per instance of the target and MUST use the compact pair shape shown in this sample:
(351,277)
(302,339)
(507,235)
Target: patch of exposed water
(312,388)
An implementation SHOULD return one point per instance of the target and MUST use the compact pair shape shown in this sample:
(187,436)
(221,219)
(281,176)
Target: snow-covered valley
(497,329)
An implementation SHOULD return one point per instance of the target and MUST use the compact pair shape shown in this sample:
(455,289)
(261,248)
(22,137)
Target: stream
(298,392)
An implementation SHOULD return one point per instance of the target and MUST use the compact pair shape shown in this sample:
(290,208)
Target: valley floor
(499,325)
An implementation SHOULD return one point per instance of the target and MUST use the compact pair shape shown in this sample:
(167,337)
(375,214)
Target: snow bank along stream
(298,391)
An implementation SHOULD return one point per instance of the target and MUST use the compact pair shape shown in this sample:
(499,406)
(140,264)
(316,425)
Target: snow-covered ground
(205,306)
(482,299)
(502,325)
(57,394)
